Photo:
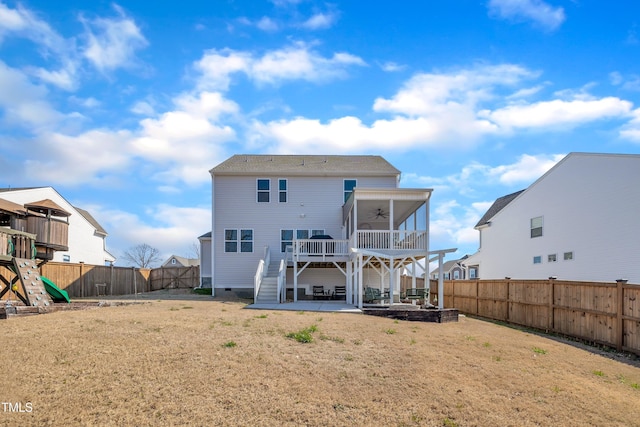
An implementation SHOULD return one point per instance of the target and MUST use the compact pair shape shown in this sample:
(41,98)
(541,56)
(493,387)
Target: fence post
(111,280)
(551,295)
(508,280)
(81,279)
(619,321)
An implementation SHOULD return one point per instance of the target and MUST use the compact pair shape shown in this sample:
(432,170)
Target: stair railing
(261,272)
(282,281)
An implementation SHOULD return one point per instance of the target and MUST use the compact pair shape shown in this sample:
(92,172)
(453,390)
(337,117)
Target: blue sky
(124,107)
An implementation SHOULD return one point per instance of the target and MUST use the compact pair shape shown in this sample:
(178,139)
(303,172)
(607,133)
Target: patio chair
(340,292)
(417,294)
(318,292)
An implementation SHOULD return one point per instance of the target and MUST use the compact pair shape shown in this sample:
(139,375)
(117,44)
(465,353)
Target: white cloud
(527,169)
(392,67)
(143,108)
(436,93)
(538,12)
(112,43)
(25,104)
(77,160)
(296,62)
(166,227)
(320,21)
(267,24)
(557,113)
(471,177)
(631,131)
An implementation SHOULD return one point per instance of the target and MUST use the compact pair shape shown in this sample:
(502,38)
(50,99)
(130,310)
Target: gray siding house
(295,222)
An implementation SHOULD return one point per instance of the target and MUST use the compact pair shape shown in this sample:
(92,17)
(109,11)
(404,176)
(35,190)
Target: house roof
(244,164)
(205,236)
(91,220)
(496,207)
(184,261)
(13,208)
(45,205)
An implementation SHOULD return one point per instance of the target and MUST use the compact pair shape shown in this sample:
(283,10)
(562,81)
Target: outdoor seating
(417,294)
(372,295)
(340,292)
(318,292)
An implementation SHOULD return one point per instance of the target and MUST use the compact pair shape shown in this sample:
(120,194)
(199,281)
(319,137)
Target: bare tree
(142,256)
(194,251)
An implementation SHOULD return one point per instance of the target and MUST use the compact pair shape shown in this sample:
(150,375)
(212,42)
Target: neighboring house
(86,239)
(294,222)
(579,221)
(205,260)
(456,270)
(178,261)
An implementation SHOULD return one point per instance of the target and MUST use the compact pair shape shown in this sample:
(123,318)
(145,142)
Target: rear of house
(313,213)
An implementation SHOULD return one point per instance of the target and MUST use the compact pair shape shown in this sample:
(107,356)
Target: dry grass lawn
(206,363)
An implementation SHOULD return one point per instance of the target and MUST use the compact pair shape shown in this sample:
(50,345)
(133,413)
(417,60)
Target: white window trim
(285,191)
(531,228)
(238,241)
(344,192)
(564,256)
(263,191)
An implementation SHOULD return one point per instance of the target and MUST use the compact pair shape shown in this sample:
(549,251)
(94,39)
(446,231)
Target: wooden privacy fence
(602,313)
(174,277)
(80,280)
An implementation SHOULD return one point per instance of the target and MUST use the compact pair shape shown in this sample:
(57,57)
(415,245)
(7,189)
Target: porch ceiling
(377,211)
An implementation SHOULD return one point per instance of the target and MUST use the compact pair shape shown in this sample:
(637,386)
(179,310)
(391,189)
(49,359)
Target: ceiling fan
(379,214)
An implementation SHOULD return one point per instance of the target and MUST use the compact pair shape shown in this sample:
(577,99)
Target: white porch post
(392,279)
(440,281)
(349,283)
(295,277)
(360,281)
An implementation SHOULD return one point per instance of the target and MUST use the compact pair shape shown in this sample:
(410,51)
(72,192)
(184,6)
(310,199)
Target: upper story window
(173,261)
(536,227)
(349,185)
(264,190)
(282,190)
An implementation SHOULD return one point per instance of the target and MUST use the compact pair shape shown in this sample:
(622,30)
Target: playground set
(29,235)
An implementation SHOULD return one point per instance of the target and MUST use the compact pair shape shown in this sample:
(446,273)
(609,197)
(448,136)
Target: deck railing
(17,243)
(389,240)
(261,272)
(320,247)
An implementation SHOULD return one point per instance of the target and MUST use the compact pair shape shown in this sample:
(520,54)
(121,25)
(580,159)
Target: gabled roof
(91,220)
(12,208)
(496,207)
(243,164)
(187,262)
(42,206)
(205,236)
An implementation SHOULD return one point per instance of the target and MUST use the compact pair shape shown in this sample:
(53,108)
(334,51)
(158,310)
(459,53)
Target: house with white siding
(84,237)
(305,224)
(579,221)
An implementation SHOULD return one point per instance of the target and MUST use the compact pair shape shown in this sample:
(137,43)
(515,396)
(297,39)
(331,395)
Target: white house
(86,237)
(456,270)
(298,222)
(579,221)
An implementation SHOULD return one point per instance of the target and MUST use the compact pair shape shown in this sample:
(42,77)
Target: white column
(295,278)
(392,280)
(349,283)
(360,281)
(440,281)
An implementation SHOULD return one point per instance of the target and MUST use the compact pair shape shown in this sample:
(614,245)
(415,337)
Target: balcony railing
(402,240)
(321,248)
(368,239)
